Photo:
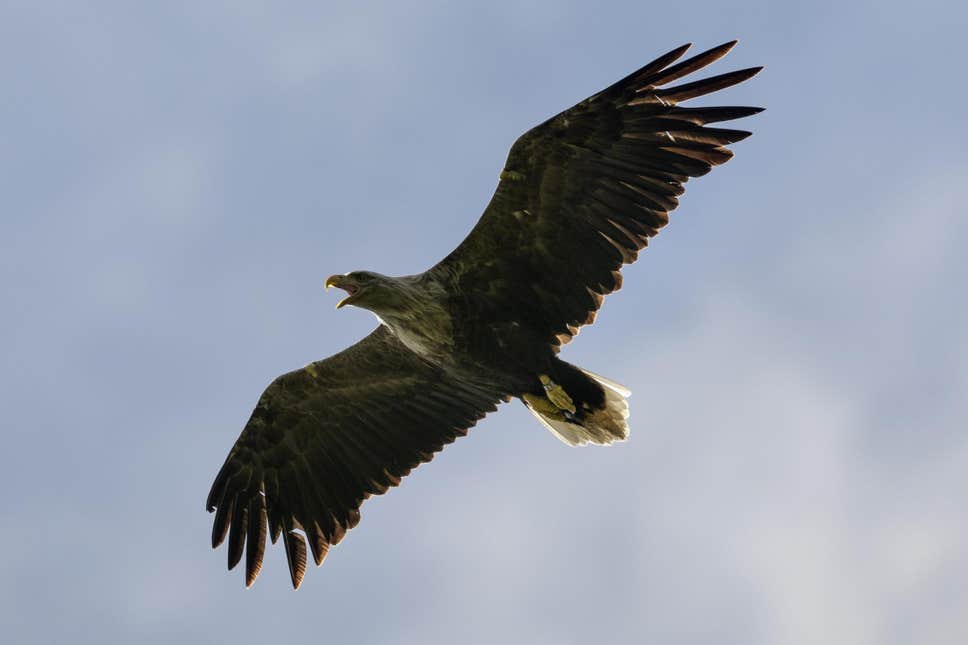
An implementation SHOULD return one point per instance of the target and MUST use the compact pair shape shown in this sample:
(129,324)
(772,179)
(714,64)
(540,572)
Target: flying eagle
(579,196)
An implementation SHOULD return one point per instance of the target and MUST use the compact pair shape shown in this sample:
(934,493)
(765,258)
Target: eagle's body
(436,317)
(579,196)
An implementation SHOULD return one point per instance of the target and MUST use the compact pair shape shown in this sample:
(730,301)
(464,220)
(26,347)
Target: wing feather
(256,539)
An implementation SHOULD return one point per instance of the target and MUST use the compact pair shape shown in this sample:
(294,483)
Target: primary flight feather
(580,195)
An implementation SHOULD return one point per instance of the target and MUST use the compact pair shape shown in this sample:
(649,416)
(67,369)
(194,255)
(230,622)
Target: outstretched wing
(324,438)
(583,192)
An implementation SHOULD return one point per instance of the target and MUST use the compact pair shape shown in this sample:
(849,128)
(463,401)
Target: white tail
(601,427)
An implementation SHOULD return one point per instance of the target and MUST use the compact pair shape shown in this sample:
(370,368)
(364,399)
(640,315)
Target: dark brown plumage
(324,438)
(580,195)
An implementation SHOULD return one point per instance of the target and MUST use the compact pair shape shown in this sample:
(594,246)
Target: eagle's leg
(557,395)
(542,405)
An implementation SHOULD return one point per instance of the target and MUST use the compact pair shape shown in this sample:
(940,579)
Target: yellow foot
(544,406)
(557,395)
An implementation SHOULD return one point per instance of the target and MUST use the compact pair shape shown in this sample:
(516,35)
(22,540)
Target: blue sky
(178,179)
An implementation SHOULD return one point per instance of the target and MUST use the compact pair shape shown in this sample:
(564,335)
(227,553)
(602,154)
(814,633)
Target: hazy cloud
(179,180)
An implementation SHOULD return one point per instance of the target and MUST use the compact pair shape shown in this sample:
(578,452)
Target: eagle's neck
(420,318)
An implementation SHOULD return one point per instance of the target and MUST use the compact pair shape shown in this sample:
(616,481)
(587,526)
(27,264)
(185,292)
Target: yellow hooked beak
(340,282)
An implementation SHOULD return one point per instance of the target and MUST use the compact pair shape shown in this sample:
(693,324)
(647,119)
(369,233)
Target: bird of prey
(579,196)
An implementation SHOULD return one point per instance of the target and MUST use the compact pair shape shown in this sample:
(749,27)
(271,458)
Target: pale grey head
(376,292)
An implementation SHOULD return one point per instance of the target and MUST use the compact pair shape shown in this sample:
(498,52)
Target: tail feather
(602,425)
(608,383)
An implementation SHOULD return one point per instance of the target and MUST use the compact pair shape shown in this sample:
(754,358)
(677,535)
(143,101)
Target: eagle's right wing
(324,438)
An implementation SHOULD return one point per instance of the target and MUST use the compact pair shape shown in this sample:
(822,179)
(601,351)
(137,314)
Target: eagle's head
(369,290)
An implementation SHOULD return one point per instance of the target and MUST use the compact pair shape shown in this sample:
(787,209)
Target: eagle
(579,196)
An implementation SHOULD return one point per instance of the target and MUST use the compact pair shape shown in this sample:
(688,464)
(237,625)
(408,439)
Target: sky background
(177,179)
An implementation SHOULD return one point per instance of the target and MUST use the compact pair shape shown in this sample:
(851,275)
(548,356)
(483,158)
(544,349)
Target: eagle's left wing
(582,193)
(324,438)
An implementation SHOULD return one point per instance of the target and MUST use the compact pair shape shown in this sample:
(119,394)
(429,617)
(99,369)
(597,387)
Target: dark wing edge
(324,438)
(581,194)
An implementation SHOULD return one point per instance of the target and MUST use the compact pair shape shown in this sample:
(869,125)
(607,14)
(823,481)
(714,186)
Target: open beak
(342,282)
